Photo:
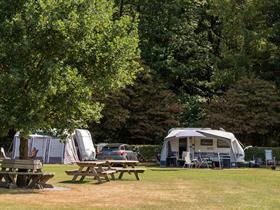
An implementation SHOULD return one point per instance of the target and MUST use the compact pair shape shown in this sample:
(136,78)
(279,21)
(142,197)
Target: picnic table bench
(91,168)
(11,169)
(128,166)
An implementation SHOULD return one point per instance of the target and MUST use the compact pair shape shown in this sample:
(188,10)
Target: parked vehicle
(117,151)
(99,147)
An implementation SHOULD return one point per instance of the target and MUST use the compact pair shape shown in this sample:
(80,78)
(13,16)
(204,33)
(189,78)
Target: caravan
(201,143)
(85,145)
(74,148)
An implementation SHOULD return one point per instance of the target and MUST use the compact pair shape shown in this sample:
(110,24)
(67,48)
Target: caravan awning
(218,134)
(183,133)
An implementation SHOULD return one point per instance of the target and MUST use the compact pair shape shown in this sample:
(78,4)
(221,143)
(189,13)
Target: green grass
(158,189)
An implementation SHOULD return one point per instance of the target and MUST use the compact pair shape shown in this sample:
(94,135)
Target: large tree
(246,34)
(55,56)
(140,114)
(250,108)
(175,43)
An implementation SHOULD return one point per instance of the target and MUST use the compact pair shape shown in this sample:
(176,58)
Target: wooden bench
(135,171)
(11,170)
(89,173)
(91,168)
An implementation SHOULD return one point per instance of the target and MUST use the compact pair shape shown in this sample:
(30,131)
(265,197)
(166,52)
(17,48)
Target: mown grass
(158,189)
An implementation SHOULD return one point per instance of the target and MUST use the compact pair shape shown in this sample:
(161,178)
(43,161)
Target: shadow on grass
(165,169)
(149,164)
(17,191)
(95,182)
(75,182)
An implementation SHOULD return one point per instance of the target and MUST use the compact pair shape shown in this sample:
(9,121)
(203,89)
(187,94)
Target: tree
(140,114)
(244,32)
(250,108)
(55,56)
(175,43)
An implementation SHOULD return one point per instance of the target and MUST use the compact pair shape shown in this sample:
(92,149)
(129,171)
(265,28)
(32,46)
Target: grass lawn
(158,189)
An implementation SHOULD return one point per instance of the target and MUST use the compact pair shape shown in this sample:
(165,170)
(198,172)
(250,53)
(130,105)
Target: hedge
(259,152)
(148,153)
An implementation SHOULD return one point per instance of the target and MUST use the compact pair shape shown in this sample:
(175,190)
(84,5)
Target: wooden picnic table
(92,168)
(128,166)
(123,163)
(11,169)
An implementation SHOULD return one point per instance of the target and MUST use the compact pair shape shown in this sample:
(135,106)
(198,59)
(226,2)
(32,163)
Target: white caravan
(201,143)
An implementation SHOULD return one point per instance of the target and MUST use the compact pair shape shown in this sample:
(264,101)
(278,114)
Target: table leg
(44,179)
(113,177)
(35,181)
(76,176)
(12,178)
(121,175)
(83,176)
(95,173)
(136,175)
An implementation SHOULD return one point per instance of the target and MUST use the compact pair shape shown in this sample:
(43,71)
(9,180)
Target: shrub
(259,152)
(148,153)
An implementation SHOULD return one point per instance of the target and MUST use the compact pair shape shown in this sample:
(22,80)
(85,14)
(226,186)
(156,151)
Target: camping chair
(202,162)
(269,160)
(34,152)
(188,161)
(2,154)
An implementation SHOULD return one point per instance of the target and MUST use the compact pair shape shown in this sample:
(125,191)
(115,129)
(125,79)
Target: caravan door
(85,145)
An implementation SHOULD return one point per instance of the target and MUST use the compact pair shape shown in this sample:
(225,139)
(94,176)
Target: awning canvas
(184,133)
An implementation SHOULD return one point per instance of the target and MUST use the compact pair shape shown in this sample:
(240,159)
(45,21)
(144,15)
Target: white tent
(53,150)
(202,141)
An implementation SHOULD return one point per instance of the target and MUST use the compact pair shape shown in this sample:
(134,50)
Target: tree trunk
(121,8)
(23,154)
(23,148)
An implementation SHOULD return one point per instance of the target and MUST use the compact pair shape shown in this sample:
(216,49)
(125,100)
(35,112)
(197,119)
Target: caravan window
(222,144)
(206,142)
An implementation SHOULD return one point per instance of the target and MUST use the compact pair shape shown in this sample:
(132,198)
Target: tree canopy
(67,64)
(56,55)
(140,114)
(250,108)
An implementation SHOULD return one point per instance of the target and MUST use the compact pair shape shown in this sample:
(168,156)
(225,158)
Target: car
(117,151)
(99,147)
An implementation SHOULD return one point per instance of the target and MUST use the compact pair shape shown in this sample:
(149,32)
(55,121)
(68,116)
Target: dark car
(117,151)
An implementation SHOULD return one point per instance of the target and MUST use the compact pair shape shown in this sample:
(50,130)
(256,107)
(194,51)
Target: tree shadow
(75,182)
(165,169)
(17,191)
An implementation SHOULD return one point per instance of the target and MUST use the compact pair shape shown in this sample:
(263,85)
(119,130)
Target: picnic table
(95,169)
(103,168)
(11,169)
(127,166)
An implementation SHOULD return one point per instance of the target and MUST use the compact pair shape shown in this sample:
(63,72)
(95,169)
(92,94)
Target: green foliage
(148,153)
(244,40)
(193,110)
(174,42)
(140,114)
(259,152)
(250,107)
(55,55)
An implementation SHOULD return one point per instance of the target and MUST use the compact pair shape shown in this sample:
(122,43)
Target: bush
(148,153)
(259,152)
